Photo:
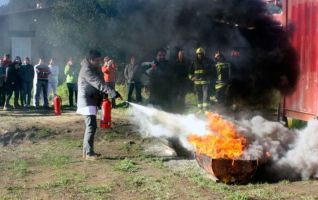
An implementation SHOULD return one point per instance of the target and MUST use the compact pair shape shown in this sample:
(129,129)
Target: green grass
(238,196)
(97,192)
(19,168)
(76,183)
(237,192)
(42,133)
(70,143)
(110,137)
(63,93)
(126,147)
(63,180)
(205,182)
(155,188)
(144,183)
(126,165)
(308,198)
(14,192)
(152,160)
(55,161)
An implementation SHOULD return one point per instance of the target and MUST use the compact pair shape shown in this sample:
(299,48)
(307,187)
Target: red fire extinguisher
(57,105)
(105,120)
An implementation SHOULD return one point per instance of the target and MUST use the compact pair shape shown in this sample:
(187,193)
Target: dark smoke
(123,27)
(268,62)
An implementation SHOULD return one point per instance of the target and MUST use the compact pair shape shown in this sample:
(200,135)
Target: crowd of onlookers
(19,78)
(38,84)
(167,81)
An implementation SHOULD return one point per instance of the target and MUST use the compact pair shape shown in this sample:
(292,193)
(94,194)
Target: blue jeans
(41,87)
(72,90)
(27,89)
(131,88)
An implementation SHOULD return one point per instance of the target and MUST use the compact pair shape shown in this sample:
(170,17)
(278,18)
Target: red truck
(300,17)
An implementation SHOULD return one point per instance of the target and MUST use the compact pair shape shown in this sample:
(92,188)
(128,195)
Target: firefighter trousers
(221,95)
(202,91)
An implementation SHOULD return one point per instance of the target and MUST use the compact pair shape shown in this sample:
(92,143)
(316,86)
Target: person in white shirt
(53,78)
(35,81)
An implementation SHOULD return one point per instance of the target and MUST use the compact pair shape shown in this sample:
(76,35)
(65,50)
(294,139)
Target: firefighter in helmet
(223,77)
(201,74)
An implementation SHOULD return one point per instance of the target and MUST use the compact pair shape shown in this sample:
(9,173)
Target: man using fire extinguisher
(91,88)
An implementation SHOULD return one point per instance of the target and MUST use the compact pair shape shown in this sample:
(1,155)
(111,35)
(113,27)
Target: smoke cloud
(285,153)
(156,123)
(267,63)
(124,27)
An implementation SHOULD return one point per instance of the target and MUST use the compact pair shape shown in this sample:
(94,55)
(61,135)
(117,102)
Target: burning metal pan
(228,171)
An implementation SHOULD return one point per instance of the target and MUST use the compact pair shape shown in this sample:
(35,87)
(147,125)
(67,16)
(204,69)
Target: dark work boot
(16,105)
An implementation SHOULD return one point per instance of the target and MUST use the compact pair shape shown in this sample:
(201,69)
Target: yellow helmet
(200,51)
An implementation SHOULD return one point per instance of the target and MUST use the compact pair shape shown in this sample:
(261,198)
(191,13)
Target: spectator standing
(6,61)
(2,83)
(133,74)
(109,71)
(181,80)
(161,82)
(53,78)
(71,73)
(12,76)
(43,72)
(27,71)
(18,62)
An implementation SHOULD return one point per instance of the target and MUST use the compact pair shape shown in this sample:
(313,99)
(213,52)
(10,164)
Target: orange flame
(222,140)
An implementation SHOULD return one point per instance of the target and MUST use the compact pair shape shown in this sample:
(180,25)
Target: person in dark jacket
(20,80)
(91,88)
(133,74)
(12,85)
(27,71)
(43,72)
(160,82)
(201,74)
(181,81)
(2,83)
(5,63)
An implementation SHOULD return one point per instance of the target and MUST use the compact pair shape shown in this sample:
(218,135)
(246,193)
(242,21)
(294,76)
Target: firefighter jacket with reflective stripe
(223,74)
(201,71)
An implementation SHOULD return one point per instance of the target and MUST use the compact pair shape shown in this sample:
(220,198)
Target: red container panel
(302,21)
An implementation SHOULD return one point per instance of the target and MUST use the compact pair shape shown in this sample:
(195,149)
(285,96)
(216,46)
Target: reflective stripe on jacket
(223,74)
(201,71)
